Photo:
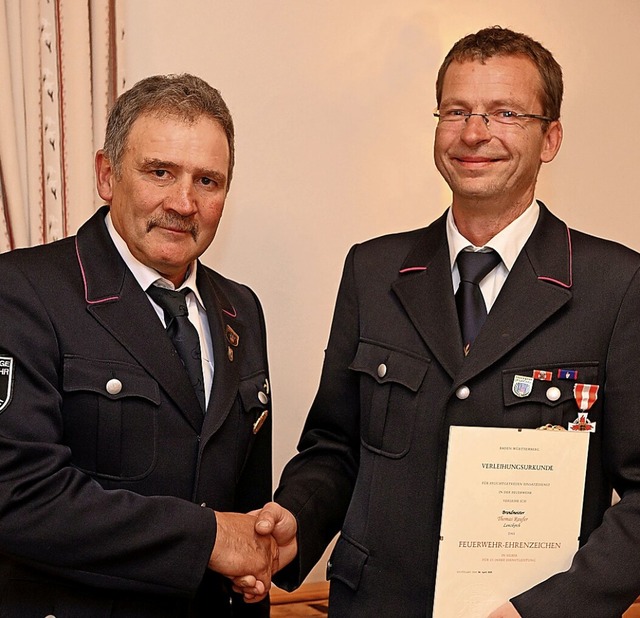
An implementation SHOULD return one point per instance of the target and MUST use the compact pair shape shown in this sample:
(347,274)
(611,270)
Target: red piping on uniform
(412,269)
(560,283)
(84,281)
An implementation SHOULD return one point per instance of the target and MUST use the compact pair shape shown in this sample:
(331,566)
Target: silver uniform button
(204,505)
(262,398)
(553,393)
(463,392)
(114,386)
(382,370)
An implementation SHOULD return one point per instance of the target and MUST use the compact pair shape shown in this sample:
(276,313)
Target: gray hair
(184,96)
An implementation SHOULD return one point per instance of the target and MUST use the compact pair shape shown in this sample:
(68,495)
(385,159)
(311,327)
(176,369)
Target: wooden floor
(294,610)
(311,600)
(308,600)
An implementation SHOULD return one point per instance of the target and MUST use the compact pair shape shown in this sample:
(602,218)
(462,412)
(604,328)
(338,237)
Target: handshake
(250,548)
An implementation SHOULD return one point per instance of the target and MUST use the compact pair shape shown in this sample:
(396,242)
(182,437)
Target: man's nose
(182,198)
(475,130)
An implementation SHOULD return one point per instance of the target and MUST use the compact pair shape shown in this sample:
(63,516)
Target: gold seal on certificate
(510,516)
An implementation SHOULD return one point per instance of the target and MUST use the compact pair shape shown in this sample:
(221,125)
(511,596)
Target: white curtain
(58,76)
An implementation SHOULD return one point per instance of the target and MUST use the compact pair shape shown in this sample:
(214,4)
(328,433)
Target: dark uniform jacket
(109,470)
(373,450)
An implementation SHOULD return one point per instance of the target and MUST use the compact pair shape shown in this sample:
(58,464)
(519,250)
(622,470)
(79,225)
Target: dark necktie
(473,267)
(182,332)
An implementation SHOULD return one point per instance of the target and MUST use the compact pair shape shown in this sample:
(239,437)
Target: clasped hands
(251,548)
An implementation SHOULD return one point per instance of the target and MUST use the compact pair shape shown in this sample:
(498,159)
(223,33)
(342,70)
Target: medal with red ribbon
(585,396)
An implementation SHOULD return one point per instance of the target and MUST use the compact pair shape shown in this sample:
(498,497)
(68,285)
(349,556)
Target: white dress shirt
(147,276)
(507,244)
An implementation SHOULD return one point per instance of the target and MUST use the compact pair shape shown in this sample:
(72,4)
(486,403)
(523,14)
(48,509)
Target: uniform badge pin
(567,374)
(545,376)
(232,337)
(522,386)
(260,422)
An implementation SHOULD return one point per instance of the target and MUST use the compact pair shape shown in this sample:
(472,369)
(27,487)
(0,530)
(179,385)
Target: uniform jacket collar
(538,285)
(119,304)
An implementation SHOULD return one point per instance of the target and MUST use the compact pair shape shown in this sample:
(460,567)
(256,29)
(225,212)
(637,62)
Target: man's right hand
(239,550)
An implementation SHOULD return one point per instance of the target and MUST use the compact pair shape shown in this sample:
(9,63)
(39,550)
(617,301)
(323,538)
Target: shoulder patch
(6,381)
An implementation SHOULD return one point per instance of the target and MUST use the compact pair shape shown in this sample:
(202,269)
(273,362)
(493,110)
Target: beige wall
(332,101)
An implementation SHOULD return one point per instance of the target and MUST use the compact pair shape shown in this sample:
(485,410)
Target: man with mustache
(409,356)
(130,423)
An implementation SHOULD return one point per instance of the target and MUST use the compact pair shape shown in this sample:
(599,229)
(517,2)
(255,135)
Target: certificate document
(510,517)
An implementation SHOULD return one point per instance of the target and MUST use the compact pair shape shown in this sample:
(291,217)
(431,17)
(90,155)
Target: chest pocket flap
(389,385)
(386,365)
(112,379)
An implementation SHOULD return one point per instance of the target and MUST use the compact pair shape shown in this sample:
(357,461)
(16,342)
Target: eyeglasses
(505,117)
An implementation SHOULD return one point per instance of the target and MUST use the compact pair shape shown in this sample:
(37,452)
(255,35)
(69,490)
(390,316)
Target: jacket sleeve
(57,518)
(317,484)
(604,578)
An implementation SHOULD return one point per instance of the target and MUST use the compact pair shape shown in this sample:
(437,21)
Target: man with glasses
(437,327)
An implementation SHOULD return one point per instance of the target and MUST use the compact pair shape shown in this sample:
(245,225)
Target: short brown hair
(497,41)
(185,96)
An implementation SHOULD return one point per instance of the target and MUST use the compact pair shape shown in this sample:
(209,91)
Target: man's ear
(105,175)
(552,142)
